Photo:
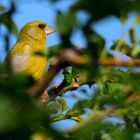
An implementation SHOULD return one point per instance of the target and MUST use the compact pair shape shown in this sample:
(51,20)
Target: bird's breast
(19,60)
(29,62)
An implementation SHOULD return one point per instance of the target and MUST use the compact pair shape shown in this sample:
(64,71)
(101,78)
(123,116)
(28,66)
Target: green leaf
(53,50)
(9,23)
(124,48)
(126,134)
(136,21)
(76,72)
(133,36)
(54,108)
(2,8)
(68,75)
(81,105)
(8,116)
(105,53)
(135,52)
(66,22)
(63,103)
(124,17)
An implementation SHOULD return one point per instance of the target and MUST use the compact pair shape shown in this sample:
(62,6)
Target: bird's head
(36,30)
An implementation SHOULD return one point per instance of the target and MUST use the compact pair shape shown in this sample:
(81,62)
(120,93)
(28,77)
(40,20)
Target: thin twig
(91,119)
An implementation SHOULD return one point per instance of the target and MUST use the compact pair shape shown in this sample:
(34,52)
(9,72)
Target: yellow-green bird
(31,39)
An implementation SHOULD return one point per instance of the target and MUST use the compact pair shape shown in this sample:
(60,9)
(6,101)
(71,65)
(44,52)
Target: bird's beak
(49,30)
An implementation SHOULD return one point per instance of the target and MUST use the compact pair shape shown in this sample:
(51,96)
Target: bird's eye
(41,26)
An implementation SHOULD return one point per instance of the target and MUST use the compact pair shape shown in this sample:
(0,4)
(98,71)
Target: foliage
(113,84)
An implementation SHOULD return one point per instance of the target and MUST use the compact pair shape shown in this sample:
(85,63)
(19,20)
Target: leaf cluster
(111,91)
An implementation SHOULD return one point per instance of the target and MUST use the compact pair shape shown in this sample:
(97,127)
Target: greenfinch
(31,39)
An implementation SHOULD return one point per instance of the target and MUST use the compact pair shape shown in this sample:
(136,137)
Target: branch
(61,88)
(106,61)
(67,56)
(73,56)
